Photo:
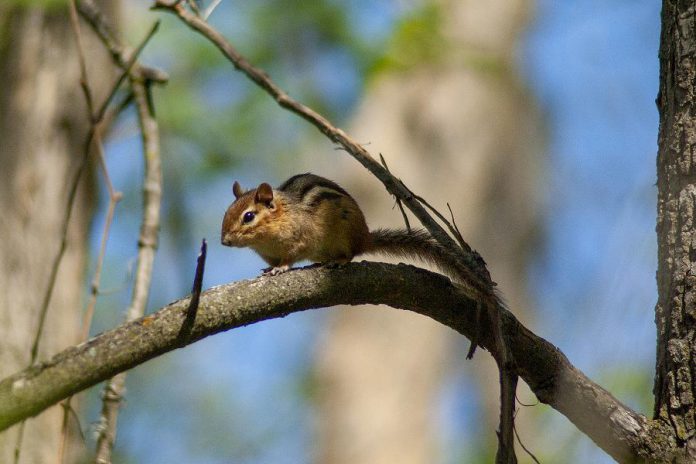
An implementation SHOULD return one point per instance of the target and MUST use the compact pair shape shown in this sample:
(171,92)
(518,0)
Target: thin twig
(18,443)
(506,438)
(530,405)
(64,429)
(84,83)
(70,411)
(194,7)
(147,245)
(59,256)
(114,198)
(191,311)
(526,450)
(127,69)
(455,229)
(96,127)
(208,11)
(119,52)
(398,200)
(445,221)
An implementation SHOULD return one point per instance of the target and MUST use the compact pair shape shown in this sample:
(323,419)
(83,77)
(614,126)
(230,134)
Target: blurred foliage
(417,40)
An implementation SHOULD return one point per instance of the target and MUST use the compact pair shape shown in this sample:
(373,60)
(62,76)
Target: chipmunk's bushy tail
(417,244)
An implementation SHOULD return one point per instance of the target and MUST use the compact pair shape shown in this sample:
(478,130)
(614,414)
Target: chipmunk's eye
(248,217)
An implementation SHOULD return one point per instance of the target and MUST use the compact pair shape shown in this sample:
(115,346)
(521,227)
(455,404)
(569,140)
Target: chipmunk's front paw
(271,271)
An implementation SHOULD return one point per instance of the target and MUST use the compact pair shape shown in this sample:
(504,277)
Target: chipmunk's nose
(230,241)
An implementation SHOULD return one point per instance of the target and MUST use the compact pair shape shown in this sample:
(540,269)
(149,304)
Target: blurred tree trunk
(43,126)
(458,127)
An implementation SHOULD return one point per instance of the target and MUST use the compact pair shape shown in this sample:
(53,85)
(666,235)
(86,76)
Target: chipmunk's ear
(237,190)
(264,194)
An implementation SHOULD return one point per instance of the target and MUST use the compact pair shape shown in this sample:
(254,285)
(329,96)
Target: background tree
(43,128)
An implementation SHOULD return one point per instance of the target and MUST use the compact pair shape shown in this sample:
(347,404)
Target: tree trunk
(451,128)
(43,125)
(675,313)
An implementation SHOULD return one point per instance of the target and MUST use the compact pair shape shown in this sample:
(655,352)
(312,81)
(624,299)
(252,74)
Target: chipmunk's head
(248,220)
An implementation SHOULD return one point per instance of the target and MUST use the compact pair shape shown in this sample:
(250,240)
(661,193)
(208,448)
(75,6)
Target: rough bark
(449,127)
(675,312)
(43,124)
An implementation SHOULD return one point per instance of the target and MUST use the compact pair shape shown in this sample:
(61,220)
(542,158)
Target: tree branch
(621,432)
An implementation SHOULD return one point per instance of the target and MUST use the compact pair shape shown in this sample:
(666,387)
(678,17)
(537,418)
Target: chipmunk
(312,218)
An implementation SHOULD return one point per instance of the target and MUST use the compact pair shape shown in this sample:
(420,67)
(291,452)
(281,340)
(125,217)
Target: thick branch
(624,434)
